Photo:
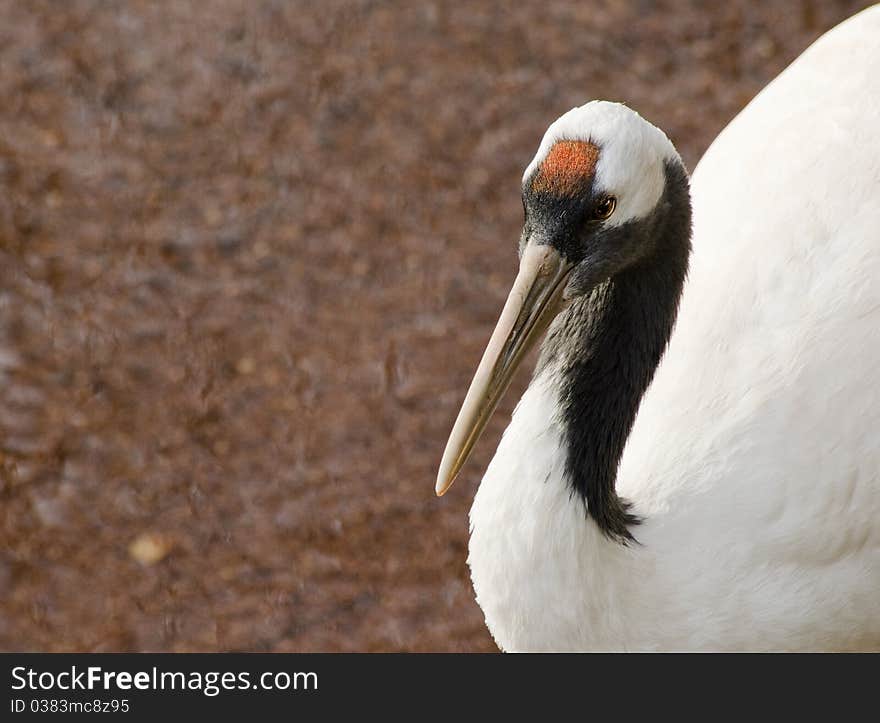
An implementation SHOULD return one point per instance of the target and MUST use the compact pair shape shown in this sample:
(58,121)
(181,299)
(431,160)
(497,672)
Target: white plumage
(754,460)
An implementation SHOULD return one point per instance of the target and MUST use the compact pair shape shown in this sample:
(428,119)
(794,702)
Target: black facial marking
(561,220)
(606,346)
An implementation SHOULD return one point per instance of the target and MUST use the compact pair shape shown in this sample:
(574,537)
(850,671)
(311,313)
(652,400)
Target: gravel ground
(250,253)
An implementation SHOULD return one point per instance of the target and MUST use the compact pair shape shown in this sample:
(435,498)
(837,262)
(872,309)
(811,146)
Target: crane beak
(535,299)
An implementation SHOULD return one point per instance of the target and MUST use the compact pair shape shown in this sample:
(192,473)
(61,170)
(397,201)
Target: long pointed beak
(533,302)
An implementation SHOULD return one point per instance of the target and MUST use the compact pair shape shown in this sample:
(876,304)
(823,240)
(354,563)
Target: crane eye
(604,208)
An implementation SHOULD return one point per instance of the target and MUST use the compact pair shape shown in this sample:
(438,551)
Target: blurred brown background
(250,253)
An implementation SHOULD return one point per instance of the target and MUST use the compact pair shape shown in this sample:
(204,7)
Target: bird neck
(602,353)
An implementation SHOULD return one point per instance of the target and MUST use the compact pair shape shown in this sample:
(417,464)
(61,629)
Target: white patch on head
(631,156)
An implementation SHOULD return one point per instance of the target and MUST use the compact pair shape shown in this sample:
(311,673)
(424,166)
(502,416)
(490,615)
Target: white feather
(755,457)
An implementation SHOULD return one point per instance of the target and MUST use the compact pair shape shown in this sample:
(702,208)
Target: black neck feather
(606,347)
